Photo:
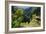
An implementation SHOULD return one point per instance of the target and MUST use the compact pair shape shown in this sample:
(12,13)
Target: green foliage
(17,19)
(19,12)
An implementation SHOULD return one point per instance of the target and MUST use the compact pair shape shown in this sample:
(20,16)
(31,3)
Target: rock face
(27,14)
(26,19)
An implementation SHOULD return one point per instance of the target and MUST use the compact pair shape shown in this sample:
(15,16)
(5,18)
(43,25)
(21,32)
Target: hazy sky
(24,7)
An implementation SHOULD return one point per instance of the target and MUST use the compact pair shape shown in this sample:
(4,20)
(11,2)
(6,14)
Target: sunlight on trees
(17,18)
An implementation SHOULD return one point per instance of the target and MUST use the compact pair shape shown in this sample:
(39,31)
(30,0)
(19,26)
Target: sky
(24,7)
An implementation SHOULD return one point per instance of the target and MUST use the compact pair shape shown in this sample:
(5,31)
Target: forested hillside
(25,16)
